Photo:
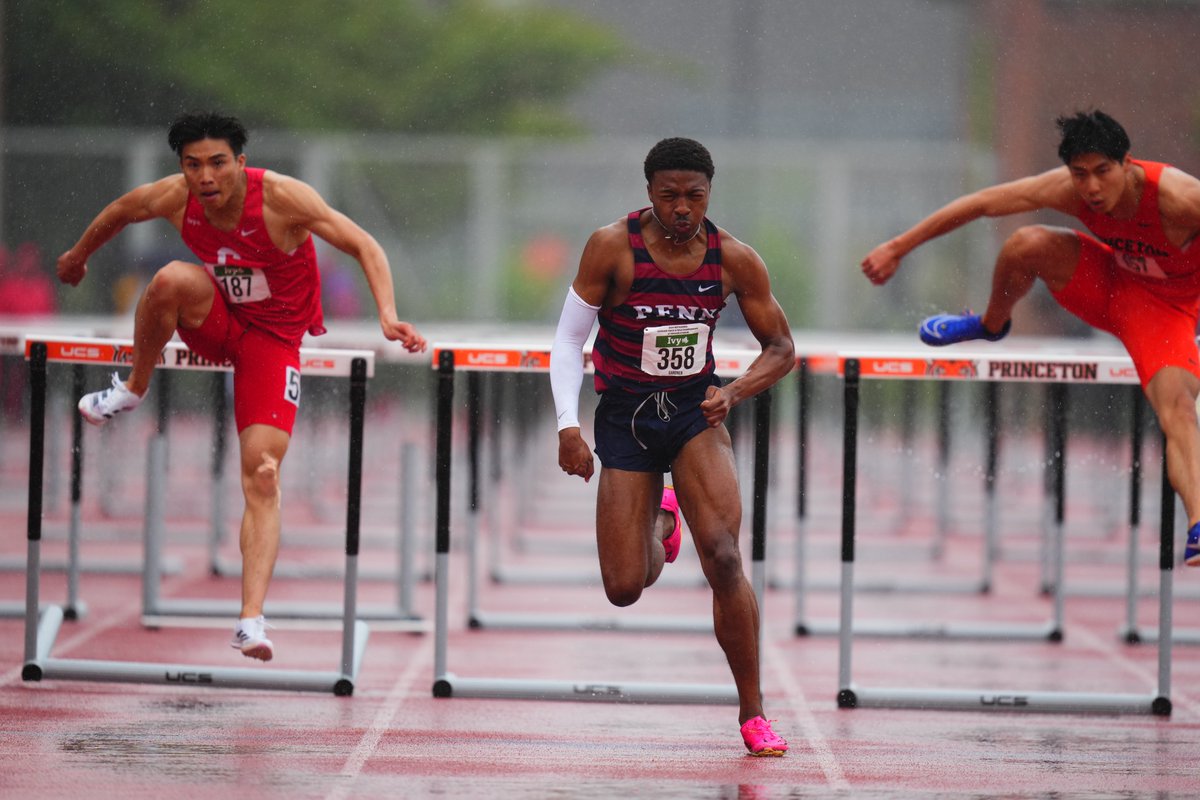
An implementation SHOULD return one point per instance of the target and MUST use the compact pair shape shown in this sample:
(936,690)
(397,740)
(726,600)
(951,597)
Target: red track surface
(393,739)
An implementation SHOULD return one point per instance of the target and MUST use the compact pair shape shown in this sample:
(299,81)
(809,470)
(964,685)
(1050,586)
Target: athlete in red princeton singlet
(251,298)
(1138,279)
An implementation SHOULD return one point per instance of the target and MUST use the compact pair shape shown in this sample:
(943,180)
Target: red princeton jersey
(264,287)
(1140,245)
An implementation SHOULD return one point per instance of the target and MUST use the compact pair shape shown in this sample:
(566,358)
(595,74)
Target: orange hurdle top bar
(176,355)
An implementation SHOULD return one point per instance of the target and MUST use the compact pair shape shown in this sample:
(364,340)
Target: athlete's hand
(881,263)
(71,268)
(574,456)
(716,405)
(406,334)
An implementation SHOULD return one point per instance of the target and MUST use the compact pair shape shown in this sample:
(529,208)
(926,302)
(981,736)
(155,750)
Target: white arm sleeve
(566,357)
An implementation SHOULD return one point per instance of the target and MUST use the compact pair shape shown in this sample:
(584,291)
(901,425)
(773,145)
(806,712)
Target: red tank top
(275,291)
(660,338)
(1140,245)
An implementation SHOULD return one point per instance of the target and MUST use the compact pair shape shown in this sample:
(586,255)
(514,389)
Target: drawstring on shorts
(663,405)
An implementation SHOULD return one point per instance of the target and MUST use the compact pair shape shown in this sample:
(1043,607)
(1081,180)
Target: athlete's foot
(99,407)
(761,740)
(1191,550)
(943,329)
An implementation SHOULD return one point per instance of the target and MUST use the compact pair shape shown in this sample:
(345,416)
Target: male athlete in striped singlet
(657,280)
(251,298)
(1138,279)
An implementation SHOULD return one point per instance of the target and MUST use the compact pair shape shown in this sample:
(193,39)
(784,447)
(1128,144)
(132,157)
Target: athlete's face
(213,173)
(680,200)
(1100,181)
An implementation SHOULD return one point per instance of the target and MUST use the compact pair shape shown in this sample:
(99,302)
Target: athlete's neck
(671,236)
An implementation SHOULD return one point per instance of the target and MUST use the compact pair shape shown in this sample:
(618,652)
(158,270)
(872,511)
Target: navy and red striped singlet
(657,298)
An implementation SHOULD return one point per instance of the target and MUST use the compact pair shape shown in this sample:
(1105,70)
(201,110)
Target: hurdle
(399,616)
(476,360)
(42,626)
(1011,365)
(447,684)
(817,355)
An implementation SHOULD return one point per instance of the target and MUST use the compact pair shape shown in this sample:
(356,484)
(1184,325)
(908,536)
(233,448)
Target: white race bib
(675,350)
(240,284)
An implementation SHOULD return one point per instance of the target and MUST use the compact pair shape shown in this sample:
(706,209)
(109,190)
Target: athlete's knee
(169,283)
(722,561)
(262,481)
(1027,242)
(623,594)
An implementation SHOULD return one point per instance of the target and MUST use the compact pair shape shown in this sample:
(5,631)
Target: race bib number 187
(674,350)
(241,284)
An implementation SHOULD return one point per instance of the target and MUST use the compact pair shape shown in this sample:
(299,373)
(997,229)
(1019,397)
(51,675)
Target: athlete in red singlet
(1139,279)
(251,298)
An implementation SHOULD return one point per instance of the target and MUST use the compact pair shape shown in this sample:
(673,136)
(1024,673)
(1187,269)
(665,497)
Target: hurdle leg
(75,608)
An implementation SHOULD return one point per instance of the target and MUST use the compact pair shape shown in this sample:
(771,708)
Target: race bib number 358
(674,350)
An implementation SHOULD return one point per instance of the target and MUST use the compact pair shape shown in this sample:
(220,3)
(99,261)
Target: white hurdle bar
(994,365)
(447,684)
(40,634)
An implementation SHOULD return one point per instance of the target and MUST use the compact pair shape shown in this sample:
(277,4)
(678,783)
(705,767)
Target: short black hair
(191,127)
(1091,132)
(679,153)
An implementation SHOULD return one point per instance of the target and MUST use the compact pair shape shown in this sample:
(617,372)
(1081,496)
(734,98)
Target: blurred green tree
(462,66)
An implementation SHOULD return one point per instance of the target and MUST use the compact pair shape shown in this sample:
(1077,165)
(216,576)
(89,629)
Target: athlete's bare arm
(164,199)
(292,209)
(1051,189)
(745,276)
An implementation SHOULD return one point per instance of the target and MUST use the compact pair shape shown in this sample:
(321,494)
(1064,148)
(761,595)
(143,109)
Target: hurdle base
(1150,635)
(566,622)
(44,667)
(980,631)
(1004,700)
(189,613)
(451,685)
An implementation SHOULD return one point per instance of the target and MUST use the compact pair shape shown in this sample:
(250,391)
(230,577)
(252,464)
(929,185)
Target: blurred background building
(482,140)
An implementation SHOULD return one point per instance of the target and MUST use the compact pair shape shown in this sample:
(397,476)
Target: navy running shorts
(643,432)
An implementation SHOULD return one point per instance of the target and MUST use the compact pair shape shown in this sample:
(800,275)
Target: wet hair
(188,128)
(678,153)
(1091,132)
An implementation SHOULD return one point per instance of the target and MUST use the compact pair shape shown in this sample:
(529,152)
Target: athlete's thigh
(706,483)
(266,382)
(626,503)
(1089,293)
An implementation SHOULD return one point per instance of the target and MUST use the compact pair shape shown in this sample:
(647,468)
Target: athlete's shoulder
(1179,196)
(735,253)
(164,197)
(610,236)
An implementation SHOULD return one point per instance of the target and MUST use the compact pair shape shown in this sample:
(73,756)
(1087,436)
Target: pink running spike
(672,542)
(761,740)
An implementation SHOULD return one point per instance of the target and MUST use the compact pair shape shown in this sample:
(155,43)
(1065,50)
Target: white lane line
(421,658)
(808,722)
(1150,678)
(66,645)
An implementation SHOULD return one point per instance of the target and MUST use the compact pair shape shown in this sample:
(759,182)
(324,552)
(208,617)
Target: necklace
(667,231)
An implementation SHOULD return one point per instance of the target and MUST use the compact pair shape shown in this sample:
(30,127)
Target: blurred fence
(486,229)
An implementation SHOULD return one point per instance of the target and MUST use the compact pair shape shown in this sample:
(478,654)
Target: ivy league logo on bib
(674,350)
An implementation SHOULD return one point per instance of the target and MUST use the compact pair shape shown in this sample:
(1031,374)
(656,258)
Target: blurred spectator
(26,290)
